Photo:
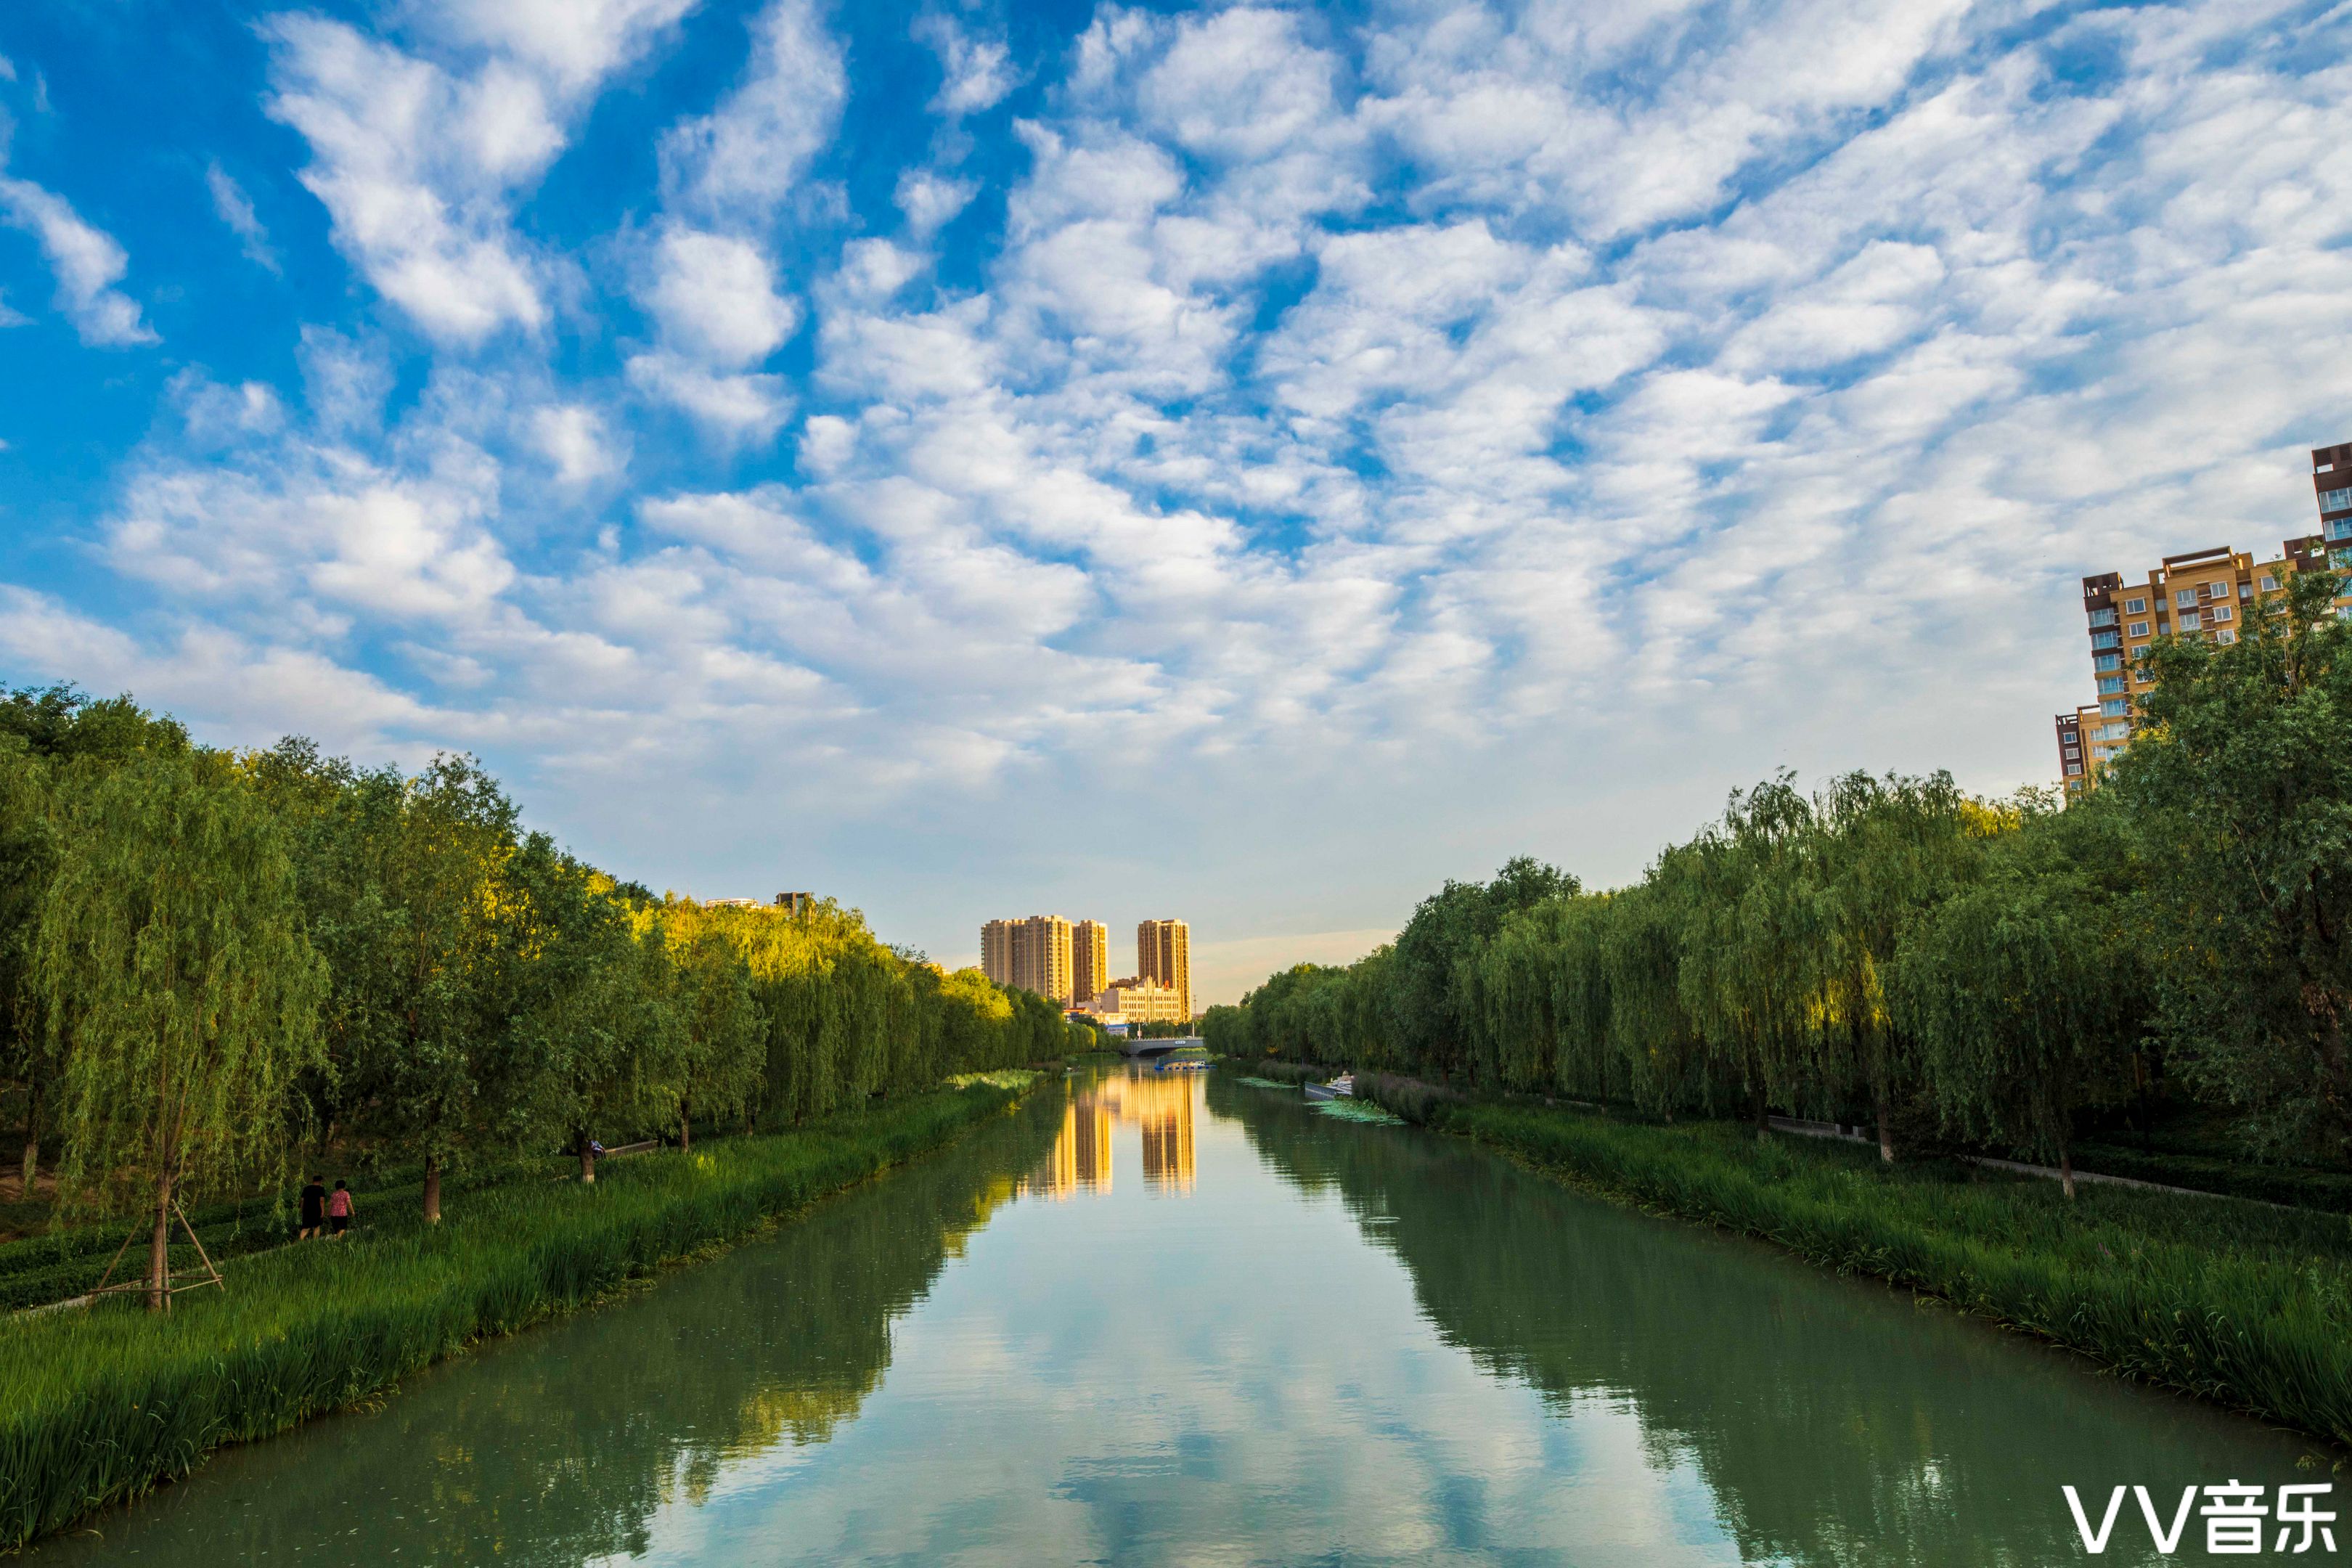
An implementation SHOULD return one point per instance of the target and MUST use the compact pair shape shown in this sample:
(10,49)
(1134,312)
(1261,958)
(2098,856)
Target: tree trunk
(432,1189)
(158,1250)
(685,1129)
(32,1167)
(587,1162)
(1763,1113)
(2066,1171)
(1885,1133)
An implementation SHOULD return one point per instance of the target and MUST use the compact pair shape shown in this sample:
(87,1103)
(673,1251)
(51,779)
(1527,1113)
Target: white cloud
(930,201)
(575,42)
(318,533)
(582,447)
(419,163)
(740,408)
(87,263)
(415,165)
(976,73)
(715,297)
(235,209)
(741,160)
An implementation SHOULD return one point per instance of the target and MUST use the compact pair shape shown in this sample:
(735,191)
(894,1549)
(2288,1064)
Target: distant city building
(730,903)
(1090,960)
(1163,952)
(795,903)
(2205,592)
(2072,764)
(1032,953)
(1133,1001)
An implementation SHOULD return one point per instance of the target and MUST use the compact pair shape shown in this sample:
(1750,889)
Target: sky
(1247,463)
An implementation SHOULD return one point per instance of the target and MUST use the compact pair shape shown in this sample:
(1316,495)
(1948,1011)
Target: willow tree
(1888,850)
(27,858)
(2025,990)
(721,1053)
(1751,944)
(182,994)
(42,730)
(1640,935)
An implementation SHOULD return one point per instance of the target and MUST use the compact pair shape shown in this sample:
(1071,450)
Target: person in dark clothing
(314,1209)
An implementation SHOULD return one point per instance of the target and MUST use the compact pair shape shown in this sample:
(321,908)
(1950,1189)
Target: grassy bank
(2245,1305)
(99,1406)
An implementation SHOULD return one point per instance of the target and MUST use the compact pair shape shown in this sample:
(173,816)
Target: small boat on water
(1340,1088)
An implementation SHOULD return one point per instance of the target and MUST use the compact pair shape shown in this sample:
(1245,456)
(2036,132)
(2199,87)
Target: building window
(2270,584)
(2245,590)
(2225,637)
(2110,683)
(2074,768)
(2138,628)
(2146,677)
(2339,528)
(2185,597)
(2188,619)
(2107,661)
(2103,617)
(2134,606)
(2336,500)
(2221,613)
(2116,707)
(2105,639)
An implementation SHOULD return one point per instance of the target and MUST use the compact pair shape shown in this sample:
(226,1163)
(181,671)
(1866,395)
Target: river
(1173,1318)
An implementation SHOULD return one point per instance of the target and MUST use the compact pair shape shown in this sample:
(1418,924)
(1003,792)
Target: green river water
(1175,1318)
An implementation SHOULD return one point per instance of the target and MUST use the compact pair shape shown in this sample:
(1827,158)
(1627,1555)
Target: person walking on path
(314,1209)
(339,1210)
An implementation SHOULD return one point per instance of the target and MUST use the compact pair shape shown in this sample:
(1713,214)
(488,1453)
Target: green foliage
(214,958)
(1890,950)
(176,980)
(2242,783)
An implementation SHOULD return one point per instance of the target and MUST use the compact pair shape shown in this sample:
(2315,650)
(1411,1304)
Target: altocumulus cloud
(1283,455)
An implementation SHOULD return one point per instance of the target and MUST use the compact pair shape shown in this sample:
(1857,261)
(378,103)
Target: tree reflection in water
(576,1434)
(1835,1421)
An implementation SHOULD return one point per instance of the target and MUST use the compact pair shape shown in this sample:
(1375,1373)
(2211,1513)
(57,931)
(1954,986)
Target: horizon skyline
(1286,455)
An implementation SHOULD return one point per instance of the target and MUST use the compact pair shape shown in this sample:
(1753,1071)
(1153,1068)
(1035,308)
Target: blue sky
(1245,462)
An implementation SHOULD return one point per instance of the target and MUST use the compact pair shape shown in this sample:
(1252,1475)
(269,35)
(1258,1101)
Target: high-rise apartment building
(2206,592)
(1032,953)
(1090,960)
(1164,953)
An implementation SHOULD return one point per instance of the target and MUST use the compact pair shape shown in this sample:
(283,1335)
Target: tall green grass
(56,1265)
(99,1406)
(2245,1305)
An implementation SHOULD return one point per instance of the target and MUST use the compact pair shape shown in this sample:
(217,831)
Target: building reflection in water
(1159,1104)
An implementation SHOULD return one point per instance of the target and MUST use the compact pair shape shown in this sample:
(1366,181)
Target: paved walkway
(1832,1129)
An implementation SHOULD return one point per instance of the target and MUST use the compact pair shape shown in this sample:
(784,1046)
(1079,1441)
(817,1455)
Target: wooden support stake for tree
(211,1269)
(197,1278)
(119,1251)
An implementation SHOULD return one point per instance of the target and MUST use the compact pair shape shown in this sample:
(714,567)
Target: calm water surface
(1169,1319)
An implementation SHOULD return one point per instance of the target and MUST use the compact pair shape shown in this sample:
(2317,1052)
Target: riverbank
(2245,1305)
(99,1406)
